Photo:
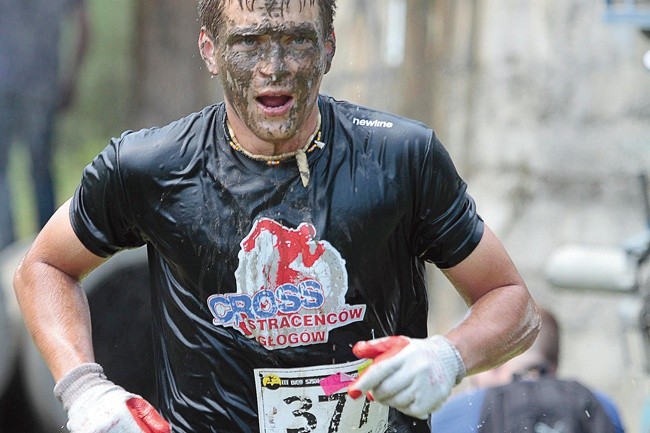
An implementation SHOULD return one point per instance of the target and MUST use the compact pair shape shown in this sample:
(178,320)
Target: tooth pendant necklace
(313,143)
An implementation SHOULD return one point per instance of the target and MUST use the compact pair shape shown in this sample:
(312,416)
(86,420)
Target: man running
(287,235)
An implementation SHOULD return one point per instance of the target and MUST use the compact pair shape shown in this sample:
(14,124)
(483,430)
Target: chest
(209,223)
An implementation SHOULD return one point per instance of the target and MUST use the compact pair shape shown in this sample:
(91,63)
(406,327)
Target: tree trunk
(170,79)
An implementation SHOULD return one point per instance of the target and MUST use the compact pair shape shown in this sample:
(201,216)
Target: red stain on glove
(147,417)
(377,350)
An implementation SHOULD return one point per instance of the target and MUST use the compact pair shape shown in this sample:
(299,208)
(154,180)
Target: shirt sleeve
(447,225)
(99,209)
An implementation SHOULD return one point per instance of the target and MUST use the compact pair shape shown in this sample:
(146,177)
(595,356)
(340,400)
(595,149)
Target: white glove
(96,405)
(415,376)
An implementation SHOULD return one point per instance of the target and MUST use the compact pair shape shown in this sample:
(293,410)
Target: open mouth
(274,101)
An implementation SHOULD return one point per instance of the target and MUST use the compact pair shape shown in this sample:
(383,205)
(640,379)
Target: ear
(207,48)
(330,49)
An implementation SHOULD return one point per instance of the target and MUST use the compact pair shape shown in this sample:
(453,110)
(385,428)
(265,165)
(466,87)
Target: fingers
(411,401)
(148,419)
(415,376)
(386,346)
(391,388)
(400,391)
(384,351)
(395,393)
(372,377)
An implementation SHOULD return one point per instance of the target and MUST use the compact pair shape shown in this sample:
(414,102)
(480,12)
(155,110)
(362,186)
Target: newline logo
(372,123)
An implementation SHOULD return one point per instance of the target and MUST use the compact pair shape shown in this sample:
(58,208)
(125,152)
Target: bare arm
(54,305)
(503,320)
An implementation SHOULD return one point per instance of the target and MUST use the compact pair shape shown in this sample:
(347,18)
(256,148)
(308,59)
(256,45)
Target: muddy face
(271,58)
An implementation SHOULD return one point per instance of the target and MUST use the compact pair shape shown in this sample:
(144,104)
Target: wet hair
(211,11)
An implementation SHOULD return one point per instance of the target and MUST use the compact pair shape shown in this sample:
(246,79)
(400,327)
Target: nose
(274,65)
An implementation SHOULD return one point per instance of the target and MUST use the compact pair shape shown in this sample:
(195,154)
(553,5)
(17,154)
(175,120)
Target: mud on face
(271,57)
(211,12)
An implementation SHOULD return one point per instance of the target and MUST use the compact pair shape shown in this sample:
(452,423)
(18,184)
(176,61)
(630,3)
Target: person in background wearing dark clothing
(462,413)
(34,86)
(287,234)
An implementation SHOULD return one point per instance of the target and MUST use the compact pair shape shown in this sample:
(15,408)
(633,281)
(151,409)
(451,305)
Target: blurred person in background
(35,84)
(466,412)
(645,417)
(287,235)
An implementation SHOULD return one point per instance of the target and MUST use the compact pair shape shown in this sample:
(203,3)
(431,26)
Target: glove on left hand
(415,376)
(97,405)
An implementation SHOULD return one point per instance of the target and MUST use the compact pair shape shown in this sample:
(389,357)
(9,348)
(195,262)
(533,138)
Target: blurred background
(544,106)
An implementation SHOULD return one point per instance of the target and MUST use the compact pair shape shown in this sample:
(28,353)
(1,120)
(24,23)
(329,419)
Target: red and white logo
(290,288)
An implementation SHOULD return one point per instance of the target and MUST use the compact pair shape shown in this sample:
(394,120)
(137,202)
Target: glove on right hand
(96,405)
(413,375)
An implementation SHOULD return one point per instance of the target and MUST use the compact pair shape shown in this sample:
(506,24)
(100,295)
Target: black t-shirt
(253,270)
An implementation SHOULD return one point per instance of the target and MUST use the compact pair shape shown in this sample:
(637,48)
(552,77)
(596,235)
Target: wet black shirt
(251,269)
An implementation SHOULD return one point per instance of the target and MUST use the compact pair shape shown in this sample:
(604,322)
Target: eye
(248,41)
(300,42)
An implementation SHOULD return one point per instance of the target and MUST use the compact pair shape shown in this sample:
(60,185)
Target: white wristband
(450,357)
(77,381)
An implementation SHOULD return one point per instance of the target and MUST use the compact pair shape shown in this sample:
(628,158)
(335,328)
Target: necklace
(300,154)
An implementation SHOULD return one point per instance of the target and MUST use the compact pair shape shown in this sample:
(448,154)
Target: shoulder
(174,142)
(379,126)
(180,129)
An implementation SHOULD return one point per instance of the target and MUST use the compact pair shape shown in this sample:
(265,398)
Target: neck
(253,144)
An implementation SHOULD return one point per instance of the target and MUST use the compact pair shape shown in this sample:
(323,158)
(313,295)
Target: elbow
(20,278)
(531,325)
(24,277)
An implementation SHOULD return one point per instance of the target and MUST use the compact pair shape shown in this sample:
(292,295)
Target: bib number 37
(293,401)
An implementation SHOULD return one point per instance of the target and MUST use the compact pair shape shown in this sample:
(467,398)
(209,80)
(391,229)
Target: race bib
(315,400)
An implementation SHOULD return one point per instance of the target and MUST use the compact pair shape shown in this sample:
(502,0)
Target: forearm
(55,311)
(500,325)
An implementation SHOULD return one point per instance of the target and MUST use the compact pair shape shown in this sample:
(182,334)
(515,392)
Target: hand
(96,405)
(415,376)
